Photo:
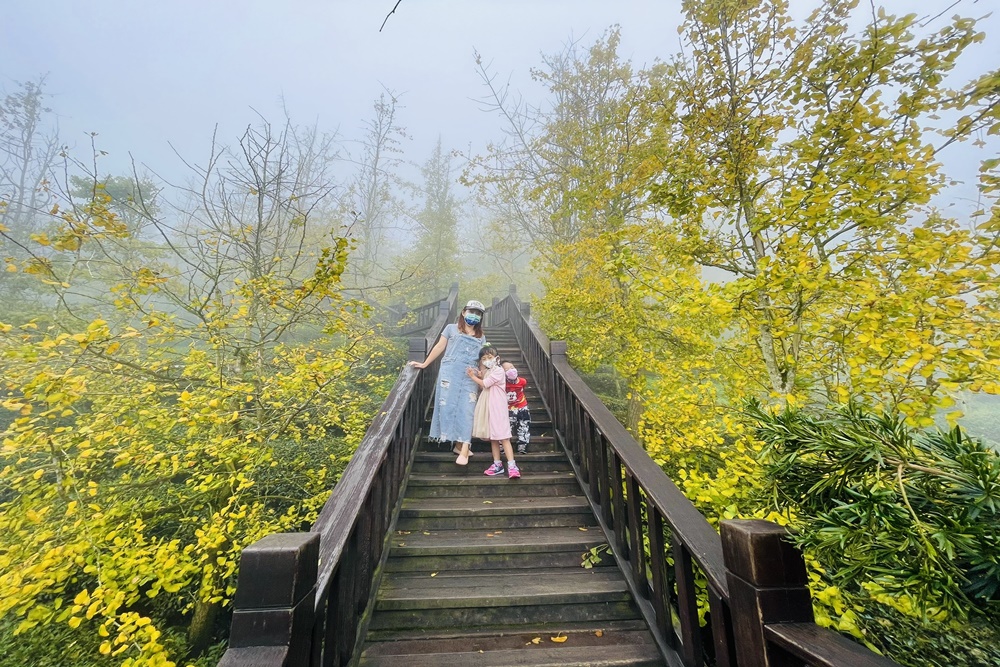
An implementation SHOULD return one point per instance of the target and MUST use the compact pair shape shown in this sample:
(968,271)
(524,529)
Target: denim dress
(456,393)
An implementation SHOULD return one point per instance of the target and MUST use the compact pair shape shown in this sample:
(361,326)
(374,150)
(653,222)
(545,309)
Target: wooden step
(616,606)
(587,647)
(535,459)
(451,589)
(568,557)
(531,483)
(499,541)
(516,512)
(544,630)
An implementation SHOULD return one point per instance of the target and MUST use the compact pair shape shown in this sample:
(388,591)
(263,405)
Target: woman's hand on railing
(417,364)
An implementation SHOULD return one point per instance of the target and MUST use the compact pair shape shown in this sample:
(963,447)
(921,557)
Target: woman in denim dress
(455,393)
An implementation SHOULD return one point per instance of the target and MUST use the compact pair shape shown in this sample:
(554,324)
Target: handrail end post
(274,605)
(418,349)
(526,310)
(557,348)
(768,584)
(513,289)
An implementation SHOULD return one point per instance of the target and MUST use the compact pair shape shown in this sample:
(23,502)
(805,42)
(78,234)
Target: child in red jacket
(517,407)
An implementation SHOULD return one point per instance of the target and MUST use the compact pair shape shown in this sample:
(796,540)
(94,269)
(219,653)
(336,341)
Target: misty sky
(145,74)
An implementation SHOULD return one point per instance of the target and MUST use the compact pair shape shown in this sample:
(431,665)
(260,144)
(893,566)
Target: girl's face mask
(489,363)
(512,374)
(472,319)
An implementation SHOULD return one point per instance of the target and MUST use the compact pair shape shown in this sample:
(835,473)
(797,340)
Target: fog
(148,77)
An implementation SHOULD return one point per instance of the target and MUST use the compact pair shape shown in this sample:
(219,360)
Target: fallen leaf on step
(403,532)
(434,574)
(583,529)
(598,633)
(536,640)
(497,532)
(487,502)
(402,544)
(559,639)
(426,533)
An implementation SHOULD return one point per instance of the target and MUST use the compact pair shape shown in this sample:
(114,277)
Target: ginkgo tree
(800,161)
(211,399)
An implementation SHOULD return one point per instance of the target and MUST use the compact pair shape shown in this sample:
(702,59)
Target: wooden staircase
(489,571)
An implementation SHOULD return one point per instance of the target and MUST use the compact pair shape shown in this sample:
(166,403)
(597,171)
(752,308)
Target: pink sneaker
(513,472)
(494,470)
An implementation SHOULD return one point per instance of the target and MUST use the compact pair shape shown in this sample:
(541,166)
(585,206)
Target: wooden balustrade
(759,610)
(302,599)
(425,316)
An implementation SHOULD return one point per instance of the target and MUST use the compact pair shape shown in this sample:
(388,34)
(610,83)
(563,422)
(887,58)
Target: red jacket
(515,394)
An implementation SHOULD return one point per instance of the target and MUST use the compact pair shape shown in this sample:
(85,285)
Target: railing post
(418,349)
(526,311)
(767,585)
(513,289)
(274,611)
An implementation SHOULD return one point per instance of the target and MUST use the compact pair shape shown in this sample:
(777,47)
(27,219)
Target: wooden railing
(754,580)
(421,319)
(303,599)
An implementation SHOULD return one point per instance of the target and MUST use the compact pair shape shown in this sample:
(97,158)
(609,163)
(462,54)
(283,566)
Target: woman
(456,393)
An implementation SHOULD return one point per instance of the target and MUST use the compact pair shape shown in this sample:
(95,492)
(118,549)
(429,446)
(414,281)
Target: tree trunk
(200,628)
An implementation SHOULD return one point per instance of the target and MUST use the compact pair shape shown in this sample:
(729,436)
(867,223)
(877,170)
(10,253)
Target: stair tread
(431,593)
(527,476)
(539,457)
(459,578)
(532,630)
(503,638)
(616,655)
(486,540)
(499,506)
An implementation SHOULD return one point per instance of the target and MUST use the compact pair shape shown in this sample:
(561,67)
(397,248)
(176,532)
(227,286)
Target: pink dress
(495,383)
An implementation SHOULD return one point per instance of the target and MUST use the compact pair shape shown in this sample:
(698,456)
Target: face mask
(512,374)
(473,319)
(490,363)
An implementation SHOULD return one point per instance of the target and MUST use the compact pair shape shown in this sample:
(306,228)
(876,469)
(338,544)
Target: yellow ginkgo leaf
(559,639)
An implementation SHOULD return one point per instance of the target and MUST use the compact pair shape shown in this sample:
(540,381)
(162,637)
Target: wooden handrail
(635,500)
(304,598)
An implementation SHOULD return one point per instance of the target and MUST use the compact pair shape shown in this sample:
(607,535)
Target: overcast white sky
(145,73)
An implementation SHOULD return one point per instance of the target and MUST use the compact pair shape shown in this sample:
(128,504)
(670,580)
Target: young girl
(494,383)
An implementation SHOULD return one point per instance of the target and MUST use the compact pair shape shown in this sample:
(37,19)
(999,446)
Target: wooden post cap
(557,348)
(759,552)
(418,349)
(277,570)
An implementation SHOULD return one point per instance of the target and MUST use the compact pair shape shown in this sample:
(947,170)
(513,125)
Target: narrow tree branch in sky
(389,14)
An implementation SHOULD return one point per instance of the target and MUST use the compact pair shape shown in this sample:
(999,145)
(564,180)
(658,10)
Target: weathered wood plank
(684,518)
(821,647)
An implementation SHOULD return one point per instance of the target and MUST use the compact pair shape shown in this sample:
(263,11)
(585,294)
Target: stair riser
(476,466)
(509,616)
(481,448)
(508,488)
(491,522)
